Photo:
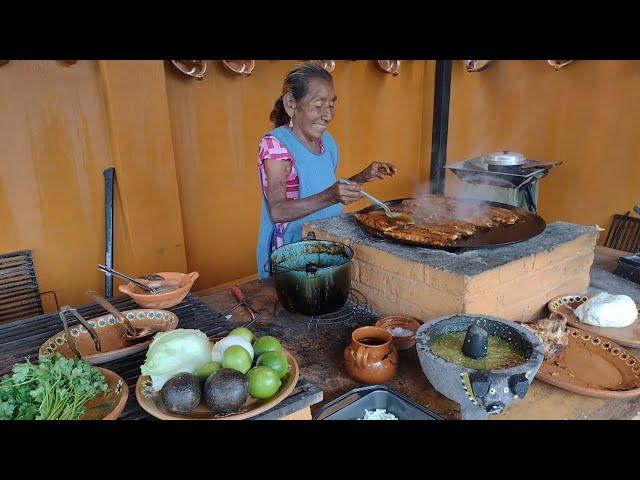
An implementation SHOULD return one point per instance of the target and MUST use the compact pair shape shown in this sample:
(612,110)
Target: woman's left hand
(377,170)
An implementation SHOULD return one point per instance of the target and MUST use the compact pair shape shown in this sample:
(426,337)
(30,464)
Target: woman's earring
(291,123)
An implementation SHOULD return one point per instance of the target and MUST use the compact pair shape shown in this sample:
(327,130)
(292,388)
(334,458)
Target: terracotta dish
(328,65)
(108,406)
(151,402)
(243,67)
(476,65)
(593,366)
(628,336)
(182,281)
(112,336)
(399,321)
(192,68)
(558,64)
(390,66)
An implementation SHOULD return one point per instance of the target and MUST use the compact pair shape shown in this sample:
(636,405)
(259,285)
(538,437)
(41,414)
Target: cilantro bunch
(54,389)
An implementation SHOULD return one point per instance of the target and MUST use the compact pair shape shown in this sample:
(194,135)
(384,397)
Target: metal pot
(505,161)
(312,277)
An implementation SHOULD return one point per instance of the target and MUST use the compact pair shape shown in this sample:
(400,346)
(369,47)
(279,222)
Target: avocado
(182,393)
(226,390)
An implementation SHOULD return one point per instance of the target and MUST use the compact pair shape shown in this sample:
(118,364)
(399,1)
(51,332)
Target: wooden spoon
(131,333)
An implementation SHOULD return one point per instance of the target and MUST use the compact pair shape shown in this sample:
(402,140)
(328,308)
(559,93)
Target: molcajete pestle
(487,384)
(476,342)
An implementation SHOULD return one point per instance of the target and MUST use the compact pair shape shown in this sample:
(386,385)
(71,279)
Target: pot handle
(362,356)
(268,270)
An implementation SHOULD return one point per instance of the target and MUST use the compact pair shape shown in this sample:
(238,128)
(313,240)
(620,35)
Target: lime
(243,332)
(263,382)
(236,358)
(266,344)
(206,369)
(276,361)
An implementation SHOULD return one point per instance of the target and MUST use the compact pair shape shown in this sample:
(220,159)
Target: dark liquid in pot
(373,341)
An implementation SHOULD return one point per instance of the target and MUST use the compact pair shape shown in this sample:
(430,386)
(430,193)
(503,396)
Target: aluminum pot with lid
(312,277)
(505,161)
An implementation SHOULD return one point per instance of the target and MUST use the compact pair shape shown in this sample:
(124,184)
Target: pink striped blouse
(272,149)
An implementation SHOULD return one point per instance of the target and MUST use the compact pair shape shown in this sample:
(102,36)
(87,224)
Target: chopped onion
(378,414)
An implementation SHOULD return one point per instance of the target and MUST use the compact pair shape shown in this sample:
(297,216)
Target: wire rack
(356,307)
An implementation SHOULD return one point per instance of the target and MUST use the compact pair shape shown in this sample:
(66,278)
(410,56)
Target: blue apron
(316,172)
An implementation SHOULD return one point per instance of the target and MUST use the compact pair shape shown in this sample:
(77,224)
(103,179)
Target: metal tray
(352,405)
(528,225)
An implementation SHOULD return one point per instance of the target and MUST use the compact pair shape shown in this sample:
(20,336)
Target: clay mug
(371,357)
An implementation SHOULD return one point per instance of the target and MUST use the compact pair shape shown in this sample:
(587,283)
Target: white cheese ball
(606,310)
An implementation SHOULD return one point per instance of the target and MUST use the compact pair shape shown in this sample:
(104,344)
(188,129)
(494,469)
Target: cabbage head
(176,351)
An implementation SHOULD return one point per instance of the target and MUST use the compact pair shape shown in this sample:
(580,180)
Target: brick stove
(512,281)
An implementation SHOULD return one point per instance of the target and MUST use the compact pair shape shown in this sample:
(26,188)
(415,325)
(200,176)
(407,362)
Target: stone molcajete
(479,391)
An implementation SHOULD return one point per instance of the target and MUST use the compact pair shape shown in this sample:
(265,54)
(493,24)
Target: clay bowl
(594,366)
(112,336)
(183,281)
(399,321)
(109,405)
(628,336)
(479,392)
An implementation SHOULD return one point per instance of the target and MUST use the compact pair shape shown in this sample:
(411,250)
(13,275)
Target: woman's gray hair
(297,83)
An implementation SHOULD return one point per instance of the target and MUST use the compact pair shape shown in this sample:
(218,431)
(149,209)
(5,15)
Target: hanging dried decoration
(390,66)
(243,67)
(476,65)
(558,64)
(192,68)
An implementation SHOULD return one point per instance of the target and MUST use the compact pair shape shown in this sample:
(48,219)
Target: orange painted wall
(586,115)
(216,126)
(187,195)
(60,127)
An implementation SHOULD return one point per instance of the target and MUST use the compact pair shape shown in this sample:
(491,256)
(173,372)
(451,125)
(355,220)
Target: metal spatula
(401,217)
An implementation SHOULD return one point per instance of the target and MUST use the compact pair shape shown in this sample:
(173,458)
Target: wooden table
(318,350)
(22,338)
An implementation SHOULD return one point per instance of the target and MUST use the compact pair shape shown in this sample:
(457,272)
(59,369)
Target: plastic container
(352,405)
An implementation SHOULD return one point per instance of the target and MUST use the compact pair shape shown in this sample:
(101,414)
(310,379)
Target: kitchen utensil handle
(85,324)
(70,340)
(238,293)
(373,199)
(117,314)
(147,288)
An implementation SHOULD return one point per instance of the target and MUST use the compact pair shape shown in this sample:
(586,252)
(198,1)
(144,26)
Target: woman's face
(314,111)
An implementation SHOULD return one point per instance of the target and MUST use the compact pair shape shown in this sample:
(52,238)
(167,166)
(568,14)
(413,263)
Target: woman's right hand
(345,193)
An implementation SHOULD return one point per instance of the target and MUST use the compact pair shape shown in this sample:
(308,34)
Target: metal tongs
(146,288)
(243,302)
(66,310)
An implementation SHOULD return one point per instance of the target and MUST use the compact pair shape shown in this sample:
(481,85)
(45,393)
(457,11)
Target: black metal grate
(23,338)
(19,291)
(624,234)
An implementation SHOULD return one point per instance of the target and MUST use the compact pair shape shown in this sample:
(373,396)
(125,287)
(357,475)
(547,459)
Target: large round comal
(312,277)
(479,392)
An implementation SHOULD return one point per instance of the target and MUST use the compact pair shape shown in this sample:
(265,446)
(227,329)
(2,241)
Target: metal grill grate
(19,291)
(624,234)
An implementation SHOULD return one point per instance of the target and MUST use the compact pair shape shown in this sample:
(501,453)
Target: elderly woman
(297,162)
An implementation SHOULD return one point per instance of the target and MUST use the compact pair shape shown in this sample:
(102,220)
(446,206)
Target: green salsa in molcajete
(501,354)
